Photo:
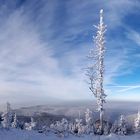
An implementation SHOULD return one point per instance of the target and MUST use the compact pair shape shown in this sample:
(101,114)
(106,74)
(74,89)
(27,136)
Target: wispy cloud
(43,46)
(134,36)
(28,67)
(122,88)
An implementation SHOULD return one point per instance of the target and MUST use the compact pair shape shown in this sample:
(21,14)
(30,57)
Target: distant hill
(74,109)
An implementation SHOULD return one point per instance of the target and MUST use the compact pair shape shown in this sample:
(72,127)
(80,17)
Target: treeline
(78,127)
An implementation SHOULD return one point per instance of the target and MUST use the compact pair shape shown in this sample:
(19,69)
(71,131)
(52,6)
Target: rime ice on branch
(95,70)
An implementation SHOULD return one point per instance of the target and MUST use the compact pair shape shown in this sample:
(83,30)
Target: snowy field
(32,135)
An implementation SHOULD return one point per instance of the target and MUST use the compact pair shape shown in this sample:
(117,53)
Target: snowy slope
(32,135)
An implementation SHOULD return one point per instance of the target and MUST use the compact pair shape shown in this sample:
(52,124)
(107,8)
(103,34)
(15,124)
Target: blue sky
(44,44)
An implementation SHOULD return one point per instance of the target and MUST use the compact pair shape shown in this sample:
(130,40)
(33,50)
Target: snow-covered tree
(95,71)
(106,129)
(7,117)
(114,127)
(64,123)
(88,120)
(14,123)
(71,127)
(122,128)
(61,127)
(58,126)
(31,125)
(76,128)
(79,127)
(137,123)
(0,121)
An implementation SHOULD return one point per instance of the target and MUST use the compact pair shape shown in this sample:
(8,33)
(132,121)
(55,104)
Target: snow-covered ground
(32,135)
